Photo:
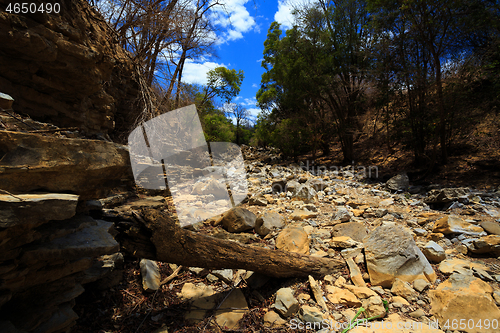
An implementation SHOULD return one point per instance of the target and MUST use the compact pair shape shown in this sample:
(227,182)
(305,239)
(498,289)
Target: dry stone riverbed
(417,259)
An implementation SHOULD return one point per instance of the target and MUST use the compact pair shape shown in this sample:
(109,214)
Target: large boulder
(391,253)
(89,168)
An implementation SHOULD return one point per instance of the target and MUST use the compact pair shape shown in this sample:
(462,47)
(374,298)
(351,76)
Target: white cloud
(254,112)
(235,17)
(249,102)
(284,14)
(255,85)
(196,72)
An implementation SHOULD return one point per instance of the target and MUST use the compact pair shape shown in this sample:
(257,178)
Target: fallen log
(160,238)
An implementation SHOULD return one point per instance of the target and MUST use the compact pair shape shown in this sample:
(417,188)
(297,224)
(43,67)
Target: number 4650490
(33,8)
(471,324)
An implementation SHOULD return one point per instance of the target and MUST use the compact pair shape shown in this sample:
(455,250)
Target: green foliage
(223,83)
(218,128)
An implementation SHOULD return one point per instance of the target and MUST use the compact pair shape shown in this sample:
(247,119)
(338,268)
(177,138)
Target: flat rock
(450,266)
(238,219)
(360,292)
(464,297)
(343,242)
(285,303)
(202,298)
(356,230)
(232,309)
(89,168)
(293,239)
(391,253)
(454,224)
(35,209)
(491,227)
(91,241)
(301,214)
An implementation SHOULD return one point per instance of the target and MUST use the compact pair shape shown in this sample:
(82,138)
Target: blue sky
(240,43)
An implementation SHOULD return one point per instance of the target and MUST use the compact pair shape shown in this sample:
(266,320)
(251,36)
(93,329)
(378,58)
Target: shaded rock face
(67,69)
(40,163)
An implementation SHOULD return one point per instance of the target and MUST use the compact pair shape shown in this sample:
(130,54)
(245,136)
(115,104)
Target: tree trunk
(159,238)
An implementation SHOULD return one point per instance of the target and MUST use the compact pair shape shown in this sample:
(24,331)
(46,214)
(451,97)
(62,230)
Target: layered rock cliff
(67,69)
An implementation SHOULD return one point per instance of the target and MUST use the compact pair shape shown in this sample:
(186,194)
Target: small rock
(434,252)
(355,230)
(400,182)
(374,307)
(304,193)
(293,239)
(488,244)
(285,303)
(272,319)
(417,313)
(300,214)
(310,314)
(317,292)
(232,309)
(150,275)
(491,227)
(238,219)
(258,200)
(454,224)
(268,222)
(420,284)
(403,289)
(341,296)
(343,242)
(342,215)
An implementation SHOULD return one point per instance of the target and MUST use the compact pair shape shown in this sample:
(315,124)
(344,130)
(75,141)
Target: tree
(240,114)
(317,72)
(223,83)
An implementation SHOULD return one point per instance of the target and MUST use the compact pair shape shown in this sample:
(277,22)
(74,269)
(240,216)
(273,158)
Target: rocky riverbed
(413,256)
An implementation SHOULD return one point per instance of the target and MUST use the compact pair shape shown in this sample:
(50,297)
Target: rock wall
(67,69)
(50,246)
